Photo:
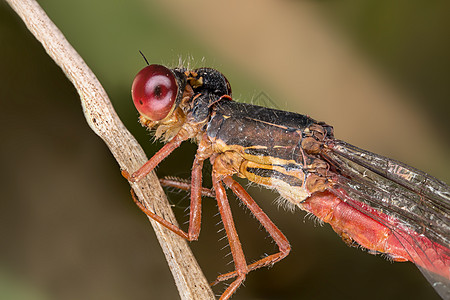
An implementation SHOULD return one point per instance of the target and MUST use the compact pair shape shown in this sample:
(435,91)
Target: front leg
(203,152)
(195,208)
(157,158)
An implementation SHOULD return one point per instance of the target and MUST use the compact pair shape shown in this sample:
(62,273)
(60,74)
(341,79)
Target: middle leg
(279,238)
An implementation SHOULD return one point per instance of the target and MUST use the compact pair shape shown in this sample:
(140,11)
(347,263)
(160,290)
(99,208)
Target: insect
(371,201)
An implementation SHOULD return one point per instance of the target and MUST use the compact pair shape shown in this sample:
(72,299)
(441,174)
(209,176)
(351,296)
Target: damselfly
(371,201)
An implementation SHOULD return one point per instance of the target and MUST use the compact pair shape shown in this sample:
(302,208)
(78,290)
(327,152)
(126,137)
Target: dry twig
(104,121)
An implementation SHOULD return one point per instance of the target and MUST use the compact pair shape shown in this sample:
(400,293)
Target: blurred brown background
(378,71)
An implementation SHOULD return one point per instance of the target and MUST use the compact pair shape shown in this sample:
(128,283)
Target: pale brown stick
(104,121)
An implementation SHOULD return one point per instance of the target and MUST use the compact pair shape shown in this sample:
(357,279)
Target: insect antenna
(144,57)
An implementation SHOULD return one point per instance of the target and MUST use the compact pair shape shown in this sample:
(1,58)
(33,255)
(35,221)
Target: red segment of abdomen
(366,226)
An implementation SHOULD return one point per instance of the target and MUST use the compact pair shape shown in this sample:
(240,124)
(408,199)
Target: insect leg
(195,211)
(240,263)
(271,228)
(158,219)
(157,158)
(196,188)
(182,184)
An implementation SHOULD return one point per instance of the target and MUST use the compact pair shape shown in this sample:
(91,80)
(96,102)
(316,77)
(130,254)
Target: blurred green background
(379,71)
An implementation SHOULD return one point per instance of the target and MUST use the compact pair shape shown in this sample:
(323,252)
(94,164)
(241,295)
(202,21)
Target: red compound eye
(154,92)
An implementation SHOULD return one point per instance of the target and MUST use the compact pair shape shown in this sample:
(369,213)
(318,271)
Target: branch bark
(103,120)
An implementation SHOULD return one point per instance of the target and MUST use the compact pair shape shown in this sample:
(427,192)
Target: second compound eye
(154,92)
